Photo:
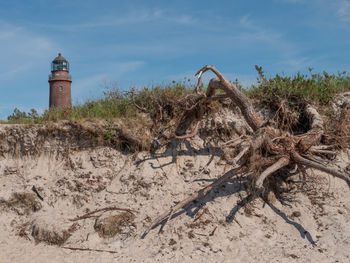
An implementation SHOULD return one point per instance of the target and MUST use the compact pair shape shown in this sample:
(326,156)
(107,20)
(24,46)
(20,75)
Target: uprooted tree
(274,147)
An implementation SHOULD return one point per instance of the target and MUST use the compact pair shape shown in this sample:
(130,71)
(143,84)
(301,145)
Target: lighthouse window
(61,88)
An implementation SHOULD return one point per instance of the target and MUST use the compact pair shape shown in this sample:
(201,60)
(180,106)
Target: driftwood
(282,148)
(91,249)
(90,214)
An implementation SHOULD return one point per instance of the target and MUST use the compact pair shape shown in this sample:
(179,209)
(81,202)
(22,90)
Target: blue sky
(140,43)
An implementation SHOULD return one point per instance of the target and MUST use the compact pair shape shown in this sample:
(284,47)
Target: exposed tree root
(282,162)
(271,146)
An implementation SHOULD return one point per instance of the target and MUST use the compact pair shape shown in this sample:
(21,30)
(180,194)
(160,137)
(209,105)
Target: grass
(112,225)
(316,88)
(114,104)
(22,203)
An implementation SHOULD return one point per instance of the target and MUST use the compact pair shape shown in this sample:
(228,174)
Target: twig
(135,104)
(200,215)
(323,151)
(87,215)
(90,249)
(37,193)
(213,232)
(239,156)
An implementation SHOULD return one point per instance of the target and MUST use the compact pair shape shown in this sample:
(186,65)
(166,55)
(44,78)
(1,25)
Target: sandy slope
(313,228)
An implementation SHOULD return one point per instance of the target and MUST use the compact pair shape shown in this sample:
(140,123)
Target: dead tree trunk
(285,148)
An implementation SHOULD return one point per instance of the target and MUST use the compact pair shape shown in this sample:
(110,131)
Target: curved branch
(301,160)
(234,93)
(239,156)
(240,100)
(135,104)
(214,70)
(284,161)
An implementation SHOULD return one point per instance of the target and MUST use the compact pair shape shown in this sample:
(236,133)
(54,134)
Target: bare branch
(322,147)
(299,159)
(323,151)
(87,215)
(239,155)
(135,104)
(284,161)
(91,249)
(214,70)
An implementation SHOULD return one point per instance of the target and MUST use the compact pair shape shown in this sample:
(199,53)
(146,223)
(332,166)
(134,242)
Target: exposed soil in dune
(76,173)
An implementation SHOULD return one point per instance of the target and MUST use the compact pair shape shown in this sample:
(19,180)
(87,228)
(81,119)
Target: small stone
(296,214)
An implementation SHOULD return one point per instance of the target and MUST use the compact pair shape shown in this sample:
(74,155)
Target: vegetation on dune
(113,104)
(162,111)
(316,88)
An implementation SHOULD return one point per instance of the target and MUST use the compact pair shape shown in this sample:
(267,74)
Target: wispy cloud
(14,71)
(21,49)
(139,17)
(292,1)
(343,10)
(21,41)
(289,53)
(87,85)
(189,78)
(6,109)
(93,84)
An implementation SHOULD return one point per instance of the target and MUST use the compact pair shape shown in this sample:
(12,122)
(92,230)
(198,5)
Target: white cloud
(293,1)
(343,10)
(21,49)
(20,41)
(120,69)
(95,83)
(138,17)
(246,80)
(87,84)
(14,71)
(6,109)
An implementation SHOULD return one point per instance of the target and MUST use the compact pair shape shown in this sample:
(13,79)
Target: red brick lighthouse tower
(60,81)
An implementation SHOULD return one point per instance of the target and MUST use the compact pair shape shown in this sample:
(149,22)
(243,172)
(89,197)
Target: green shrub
(318,88)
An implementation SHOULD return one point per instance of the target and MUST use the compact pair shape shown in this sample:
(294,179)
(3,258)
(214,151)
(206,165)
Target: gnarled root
(280,148)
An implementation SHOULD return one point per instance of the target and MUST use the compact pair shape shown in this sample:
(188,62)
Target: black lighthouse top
(59,63)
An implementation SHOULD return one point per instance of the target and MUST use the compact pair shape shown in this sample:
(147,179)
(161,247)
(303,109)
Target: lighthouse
(60,83)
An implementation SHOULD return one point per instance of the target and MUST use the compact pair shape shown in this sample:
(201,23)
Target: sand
(313,227)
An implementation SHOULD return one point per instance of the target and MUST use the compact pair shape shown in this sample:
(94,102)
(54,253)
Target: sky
(139,43)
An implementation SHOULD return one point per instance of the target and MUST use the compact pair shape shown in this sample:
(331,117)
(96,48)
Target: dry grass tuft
(50,237)
(338,129)
(22,203)
(112,225)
